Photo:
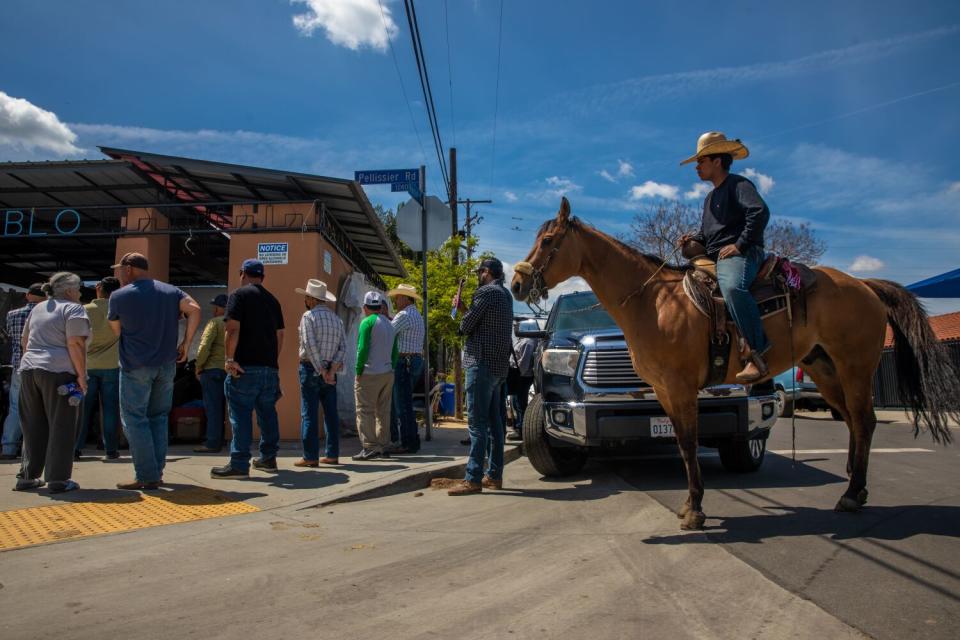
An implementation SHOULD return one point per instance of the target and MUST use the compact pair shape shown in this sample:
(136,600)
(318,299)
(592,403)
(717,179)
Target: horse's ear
(563,216)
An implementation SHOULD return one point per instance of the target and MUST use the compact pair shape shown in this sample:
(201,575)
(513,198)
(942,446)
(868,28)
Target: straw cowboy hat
(715,142)
(317,289)
(405,290)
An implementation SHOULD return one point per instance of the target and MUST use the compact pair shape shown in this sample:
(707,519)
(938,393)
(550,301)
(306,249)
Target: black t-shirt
(260,317)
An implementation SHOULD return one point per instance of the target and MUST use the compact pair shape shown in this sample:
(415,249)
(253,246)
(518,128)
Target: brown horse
(839,343)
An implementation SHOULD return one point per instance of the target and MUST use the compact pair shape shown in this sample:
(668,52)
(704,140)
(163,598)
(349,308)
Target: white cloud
(570,285)
(624,170)
(764,182)
(651,189)
(510,196)
(697,191)
(348,23)
(864,264)
(561,186)
(954,187)
(26,126)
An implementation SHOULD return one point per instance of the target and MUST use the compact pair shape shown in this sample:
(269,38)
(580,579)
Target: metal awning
(100,190)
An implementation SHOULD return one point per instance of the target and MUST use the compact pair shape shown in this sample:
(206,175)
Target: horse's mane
(576,223)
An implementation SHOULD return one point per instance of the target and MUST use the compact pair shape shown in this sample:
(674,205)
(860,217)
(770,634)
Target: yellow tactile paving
(25,527)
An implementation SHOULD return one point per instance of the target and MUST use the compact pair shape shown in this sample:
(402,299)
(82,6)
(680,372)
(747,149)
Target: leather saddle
(780,286)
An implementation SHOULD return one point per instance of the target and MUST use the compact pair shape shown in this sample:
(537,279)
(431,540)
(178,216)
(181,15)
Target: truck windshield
(579,312)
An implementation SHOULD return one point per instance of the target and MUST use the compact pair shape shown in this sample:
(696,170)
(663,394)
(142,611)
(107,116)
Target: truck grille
(610,368)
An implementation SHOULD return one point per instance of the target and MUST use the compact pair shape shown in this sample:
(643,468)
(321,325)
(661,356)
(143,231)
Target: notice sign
(272,252)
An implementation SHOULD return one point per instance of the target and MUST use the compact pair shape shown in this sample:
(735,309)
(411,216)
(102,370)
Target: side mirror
(538,335)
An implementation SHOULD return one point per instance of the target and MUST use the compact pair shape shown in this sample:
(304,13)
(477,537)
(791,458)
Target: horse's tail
(927,379)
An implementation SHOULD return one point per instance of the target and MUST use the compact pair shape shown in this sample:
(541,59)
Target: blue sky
(850,111)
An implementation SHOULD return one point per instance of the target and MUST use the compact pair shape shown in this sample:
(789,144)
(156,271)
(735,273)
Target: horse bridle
(539,290)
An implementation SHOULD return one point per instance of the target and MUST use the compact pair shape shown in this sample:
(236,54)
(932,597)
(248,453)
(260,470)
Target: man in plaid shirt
(410,328)
(322,347)
(16,319)
(487,325)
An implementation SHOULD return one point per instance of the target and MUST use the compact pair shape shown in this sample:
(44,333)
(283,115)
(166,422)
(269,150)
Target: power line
(496,98)
(403,88)
(425,86)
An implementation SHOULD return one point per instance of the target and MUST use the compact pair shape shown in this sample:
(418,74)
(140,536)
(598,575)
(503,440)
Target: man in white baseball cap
(322,347)
(376,358)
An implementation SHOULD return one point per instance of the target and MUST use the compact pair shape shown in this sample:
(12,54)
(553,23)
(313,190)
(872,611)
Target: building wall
(305,261)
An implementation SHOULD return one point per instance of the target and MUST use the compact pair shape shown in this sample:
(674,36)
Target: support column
(155,247)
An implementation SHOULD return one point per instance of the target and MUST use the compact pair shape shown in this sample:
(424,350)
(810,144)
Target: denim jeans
(146,395)
(103,388)
(256,389)
(735,275)
(11,426)
(484,421)
(211,385)
(519,402)
(314,393)
(403,419)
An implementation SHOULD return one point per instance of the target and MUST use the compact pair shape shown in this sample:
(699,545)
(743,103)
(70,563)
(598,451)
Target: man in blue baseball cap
(254,338)
(211,374)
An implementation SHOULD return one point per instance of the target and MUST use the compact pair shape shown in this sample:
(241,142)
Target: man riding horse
(731,233)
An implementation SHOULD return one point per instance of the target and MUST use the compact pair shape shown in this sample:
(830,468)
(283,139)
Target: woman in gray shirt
(53,373)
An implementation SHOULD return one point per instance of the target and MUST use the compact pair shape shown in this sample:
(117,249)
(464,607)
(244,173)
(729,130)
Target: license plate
(661,427)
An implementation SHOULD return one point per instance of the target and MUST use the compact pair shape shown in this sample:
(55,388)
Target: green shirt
(377,350)
(103,347)
(212,353)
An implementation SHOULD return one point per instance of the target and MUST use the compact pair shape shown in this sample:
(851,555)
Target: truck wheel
(743,456)
(784,406)
(551,461)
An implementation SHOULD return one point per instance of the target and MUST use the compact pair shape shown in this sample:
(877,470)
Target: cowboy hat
(715,142)
(405,290)
(317,289)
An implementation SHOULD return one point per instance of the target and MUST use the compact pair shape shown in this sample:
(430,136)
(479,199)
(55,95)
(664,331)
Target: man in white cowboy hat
(410,328)
(734,218)
(322,347)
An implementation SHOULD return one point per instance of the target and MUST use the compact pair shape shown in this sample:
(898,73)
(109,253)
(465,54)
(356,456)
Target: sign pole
(428,418)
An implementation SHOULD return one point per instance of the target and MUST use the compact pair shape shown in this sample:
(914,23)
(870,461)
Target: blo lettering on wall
(272,252)
(19,223)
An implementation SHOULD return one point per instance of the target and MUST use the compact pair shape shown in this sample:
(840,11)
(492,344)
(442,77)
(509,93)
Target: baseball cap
(493,265)
(372,299)
(36,289)
(133,259)
(253,267)
(220,301)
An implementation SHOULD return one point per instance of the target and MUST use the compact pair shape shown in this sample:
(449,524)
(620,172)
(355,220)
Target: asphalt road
(892,570)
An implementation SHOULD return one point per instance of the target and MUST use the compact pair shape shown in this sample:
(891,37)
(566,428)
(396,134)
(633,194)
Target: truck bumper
(615,423)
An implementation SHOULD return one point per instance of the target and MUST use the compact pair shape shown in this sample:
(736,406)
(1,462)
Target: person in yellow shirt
(103,373)
(211,357)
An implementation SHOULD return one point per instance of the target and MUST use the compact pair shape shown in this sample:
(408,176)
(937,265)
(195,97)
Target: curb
(415,479)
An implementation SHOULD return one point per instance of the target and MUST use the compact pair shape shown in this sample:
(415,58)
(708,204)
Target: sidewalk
(289,486)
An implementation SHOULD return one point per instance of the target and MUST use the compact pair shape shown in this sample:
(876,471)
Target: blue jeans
(484,421)
(735,275)
(314,393)
(103,388)
(256,389)
(211,385)
(403,419)
(11,426)
(146,395)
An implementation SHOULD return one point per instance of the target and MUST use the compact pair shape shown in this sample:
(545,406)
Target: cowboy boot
(755,369)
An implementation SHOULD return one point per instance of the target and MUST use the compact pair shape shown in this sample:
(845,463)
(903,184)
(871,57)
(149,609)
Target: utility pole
(454,231)
(470,220)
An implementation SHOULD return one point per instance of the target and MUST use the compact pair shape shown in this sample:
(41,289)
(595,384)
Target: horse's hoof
(693,521)
(684,510)
(846,504)
(862,497)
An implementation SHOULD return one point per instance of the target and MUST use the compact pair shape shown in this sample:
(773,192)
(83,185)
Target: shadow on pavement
(597,487)
(874,523)
(286,479)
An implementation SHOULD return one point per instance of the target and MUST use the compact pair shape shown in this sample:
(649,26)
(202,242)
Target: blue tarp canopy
(945,285)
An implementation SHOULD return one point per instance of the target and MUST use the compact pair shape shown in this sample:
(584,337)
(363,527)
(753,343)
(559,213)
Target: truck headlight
(561,362)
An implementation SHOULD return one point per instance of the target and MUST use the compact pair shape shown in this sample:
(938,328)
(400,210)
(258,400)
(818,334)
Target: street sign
(387,176)
(438,223)
(403,186)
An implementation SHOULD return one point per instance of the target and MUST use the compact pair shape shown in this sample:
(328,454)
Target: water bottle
(73,390)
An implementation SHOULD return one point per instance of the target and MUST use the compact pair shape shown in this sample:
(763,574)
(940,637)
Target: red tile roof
(946,327)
